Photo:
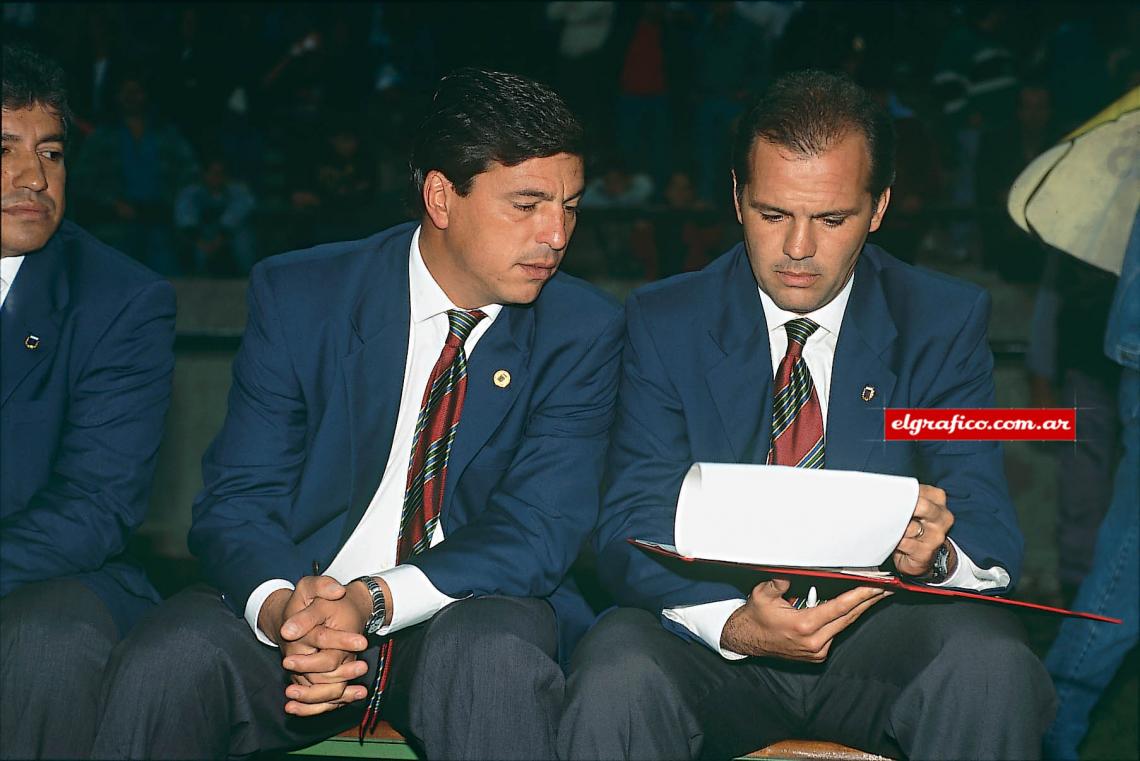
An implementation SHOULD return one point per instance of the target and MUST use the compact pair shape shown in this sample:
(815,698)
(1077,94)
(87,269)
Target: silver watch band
(376,620)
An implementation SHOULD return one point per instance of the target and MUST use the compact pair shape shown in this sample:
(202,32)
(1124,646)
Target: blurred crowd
(212,135)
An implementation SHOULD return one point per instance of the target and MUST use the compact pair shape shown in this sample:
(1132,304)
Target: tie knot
(799,330)
(460,325)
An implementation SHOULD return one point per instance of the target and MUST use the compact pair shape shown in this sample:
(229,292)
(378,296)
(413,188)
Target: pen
(812,598)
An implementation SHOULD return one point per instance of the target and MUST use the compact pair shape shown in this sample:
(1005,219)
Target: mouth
(539,271)
(797,279)
(26,210)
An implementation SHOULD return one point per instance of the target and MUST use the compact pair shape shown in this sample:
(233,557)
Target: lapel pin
(868,393)
(502,378)
(32,342)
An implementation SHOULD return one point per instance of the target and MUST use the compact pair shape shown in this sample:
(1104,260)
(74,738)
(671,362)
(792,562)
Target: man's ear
(880,210)
(437,194)
(736,197)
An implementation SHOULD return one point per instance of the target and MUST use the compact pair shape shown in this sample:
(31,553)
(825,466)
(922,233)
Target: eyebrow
(760,206)
(9,137)
(544,196)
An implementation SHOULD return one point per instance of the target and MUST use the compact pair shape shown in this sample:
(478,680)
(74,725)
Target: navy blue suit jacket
(313,407)
(81,416)
(697,386)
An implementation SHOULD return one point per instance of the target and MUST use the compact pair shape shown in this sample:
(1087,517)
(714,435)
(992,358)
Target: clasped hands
(319,628)
(768,625)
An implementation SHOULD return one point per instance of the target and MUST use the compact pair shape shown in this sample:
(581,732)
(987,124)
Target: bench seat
(387,743)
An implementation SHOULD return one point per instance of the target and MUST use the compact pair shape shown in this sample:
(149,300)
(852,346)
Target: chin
(796,301)
(522,295)
(528,297)
(24,246)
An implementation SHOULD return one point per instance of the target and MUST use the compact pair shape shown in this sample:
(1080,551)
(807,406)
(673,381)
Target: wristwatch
(940,568)
(376,621)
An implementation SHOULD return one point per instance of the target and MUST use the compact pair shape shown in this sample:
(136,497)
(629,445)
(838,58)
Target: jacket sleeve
(99,488)
(972,472)
(649,456)
(253,466)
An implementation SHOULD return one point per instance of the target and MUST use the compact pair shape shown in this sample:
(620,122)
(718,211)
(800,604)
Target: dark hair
(807,112)
(31,79)
(478,117)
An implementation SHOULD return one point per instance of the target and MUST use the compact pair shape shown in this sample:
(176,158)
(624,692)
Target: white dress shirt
(371,548)
(707,620)
(9,266)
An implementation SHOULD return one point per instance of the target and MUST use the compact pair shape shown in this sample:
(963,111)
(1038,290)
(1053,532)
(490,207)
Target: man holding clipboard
(786,351)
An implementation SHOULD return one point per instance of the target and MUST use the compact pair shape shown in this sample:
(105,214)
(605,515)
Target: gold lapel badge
(868,393)
(32,342)
(502,378)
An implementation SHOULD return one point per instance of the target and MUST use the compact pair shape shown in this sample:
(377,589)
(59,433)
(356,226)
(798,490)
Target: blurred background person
(334,183)
(212,217)
(127,175)
(1003,151)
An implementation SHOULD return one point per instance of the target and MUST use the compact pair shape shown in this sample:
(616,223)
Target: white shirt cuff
(256,600)
(969,576)
(414,598)
(707,621)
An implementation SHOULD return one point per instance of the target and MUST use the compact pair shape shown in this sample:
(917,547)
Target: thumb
(329,588)
(774,587)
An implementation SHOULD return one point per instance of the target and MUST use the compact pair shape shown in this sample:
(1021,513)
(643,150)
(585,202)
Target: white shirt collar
(829,317)
(9,266)
(427,298)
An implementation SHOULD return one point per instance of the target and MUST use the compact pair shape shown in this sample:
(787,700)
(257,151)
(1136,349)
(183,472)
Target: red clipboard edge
(892,582)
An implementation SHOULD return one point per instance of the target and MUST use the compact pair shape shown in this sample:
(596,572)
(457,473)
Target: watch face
(940,564)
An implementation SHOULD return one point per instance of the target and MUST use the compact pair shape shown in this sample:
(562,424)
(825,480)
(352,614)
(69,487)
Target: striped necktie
(797,418)
(438,420)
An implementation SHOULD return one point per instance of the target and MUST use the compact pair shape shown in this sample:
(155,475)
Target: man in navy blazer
(297,522)
(86,357)
(813,164)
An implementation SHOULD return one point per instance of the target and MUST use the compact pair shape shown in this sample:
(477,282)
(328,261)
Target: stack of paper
(775,515)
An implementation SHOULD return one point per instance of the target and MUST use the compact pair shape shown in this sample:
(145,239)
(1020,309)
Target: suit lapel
(374,373)
(741,383)
(32,315)
(505,346)
(855,426)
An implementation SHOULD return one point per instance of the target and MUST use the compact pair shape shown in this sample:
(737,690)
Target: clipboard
(863,577)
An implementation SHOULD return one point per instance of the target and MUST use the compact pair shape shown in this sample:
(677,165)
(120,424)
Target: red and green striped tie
(438,420)
(797,418)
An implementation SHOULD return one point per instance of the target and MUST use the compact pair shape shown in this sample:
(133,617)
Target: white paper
(776,515)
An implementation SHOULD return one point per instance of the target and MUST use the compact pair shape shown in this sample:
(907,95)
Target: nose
(29,173)
(799,242)
(556,229)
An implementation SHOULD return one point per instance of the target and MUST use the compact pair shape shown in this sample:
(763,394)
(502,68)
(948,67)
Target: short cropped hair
(478,117)
(31,79)
(806,112)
